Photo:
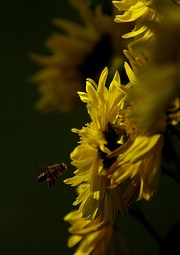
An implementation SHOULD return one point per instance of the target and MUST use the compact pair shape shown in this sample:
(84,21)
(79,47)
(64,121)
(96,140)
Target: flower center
(98,58)
(112,143)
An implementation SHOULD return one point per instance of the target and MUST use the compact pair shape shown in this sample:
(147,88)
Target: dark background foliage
(31,216)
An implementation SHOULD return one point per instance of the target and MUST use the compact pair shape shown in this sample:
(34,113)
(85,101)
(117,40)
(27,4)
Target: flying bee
(51,173)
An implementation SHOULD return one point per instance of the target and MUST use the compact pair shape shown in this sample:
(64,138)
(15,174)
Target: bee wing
(42,166)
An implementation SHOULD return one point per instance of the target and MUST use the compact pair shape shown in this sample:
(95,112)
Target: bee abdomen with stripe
(51,173)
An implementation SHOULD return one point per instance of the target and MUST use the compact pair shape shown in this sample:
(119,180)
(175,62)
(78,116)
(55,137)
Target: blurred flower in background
(81,52)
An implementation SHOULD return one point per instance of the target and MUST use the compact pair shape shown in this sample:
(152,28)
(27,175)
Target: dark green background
(31,216)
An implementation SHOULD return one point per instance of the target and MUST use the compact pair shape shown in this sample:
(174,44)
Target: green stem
(111,247)
(123,241)
(174,130)
(171,175)
(141,218)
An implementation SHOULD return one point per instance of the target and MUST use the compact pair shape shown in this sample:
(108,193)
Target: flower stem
(141,218)
(111,247)
(174,130)
(171,175)
(123,241)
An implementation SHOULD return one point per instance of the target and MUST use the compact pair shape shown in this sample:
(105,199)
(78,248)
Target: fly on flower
(51,173)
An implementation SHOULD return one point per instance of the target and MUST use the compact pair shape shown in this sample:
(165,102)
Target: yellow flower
(141,162)
(156,98)
(94,236)
(166,48)
(82,51)
(145,122)
(139,11)
(154,104)
(97,140)
(137,60)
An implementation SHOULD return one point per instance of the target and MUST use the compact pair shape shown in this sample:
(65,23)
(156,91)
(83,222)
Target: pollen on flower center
(132,128)
(111,137)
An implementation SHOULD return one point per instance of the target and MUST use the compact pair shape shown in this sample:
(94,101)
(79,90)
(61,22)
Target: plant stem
(174,130)
(123,241)
(111,247)
(171,175)
(141,218)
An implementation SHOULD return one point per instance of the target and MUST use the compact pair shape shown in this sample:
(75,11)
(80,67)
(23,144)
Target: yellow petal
(73,240)
(142,147)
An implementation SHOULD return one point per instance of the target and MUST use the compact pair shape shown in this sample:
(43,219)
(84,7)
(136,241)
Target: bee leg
(53,181)
(49,182)
(55,176)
